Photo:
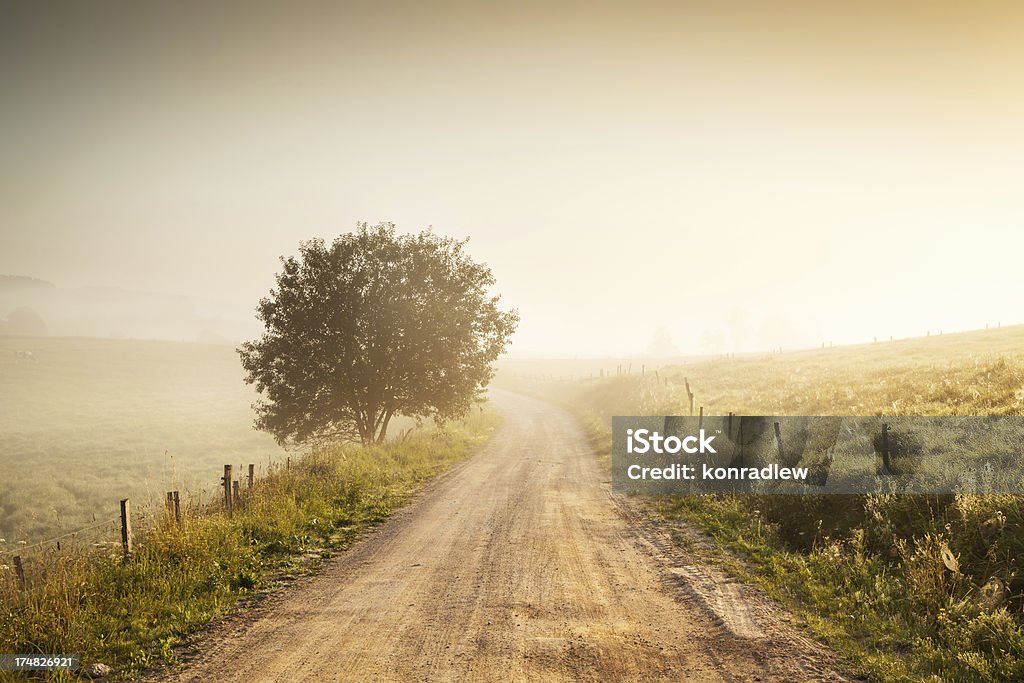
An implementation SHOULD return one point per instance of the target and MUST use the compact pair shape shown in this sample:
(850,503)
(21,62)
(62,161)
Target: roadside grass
(868,574)
(130,614)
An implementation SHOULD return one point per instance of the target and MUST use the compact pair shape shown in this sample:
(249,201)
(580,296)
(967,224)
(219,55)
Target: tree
(372,326)
(661,345)
(23,322)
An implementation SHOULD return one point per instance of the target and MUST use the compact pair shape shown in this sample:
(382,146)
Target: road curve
(518,565)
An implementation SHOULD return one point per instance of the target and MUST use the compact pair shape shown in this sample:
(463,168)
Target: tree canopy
(373,325)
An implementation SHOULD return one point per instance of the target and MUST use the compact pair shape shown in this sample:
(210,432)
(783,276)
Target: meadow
(907,587)
(86,422)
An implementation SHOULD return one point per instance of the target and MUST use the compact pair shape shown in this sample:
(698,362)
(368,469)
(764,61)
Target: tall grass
(908,587)
(130,614)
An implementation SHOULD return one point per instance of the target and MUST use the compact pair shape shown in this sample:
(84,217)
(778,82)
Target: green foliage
(130,614)
(371,326)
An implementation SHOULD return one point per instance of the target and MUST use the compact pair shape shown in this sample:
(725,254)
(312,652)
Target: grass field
(870,574)
(91,421)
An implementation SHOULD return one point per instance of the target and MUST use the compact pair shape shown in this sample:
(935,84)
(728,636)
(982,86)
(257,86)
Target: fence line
(172,515)
(21,549)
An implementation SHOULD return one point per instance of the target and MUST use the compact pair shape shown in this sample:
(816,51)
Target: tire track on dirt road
(515,566)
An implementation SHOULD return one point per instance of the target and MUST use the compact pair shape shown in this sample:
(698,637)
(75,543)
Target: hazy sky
(808,170)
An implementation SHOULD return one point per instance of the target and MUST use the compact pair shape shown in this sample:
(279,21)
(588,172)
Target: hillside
(911,587)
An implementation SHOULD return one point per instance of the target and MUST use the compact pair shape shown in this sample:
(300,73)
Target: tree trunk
(384,427)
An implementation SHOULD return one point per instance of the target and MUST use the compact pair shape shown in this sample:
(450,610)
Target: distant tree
(712,341)
(21,282)
(739,330)
(371,326)
(661,345)
(23,322)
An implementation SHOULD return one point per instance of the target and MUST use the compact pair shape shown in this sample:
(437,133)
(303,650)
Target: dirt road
(516,566)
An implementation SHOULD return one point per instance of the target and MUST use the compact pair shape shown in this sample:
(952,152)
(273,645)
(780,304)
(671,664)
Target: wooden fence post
(177,508)
(700,420)
(252,475)
(20,571)
(237,495)
(739,440)
(689,393)
(778,442)
(228,502)
(169,506)
(126,527)
(885,448)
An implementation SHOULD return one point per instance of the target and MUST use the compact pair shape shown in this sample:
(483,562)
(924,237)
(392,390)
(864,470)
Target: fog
(745,175)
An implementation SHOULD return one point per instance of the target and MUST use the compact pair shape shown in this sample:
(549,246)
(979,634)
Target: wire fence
(23,563)
(23,548)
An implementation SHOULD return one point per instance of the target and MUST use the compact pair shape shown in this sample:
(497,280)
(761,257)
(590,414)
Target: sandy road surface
(516,566)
